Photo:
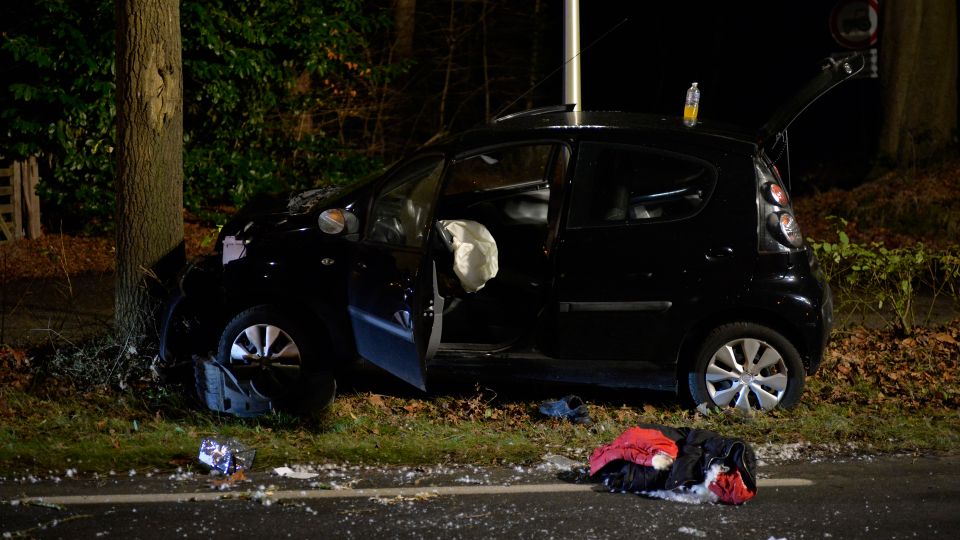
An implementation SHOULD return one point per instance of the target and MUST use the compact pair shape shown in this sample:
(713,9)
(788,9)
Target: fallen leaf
(944,337)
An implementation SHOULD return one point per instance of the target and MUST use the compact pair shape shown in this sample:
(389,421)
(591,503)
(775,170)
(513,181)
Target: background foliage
(277,94)
(869,278)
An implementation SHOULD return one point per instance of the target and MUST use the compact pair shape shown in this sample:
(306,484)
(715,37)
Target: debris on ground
(287,472)
(420,496)
(570,407)
(228,482)
(677,464)
(222,392)
(558,462)
(227,456)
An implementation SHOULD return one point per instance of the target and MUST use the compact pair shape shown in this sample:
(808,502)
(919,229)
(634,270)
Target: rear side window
(628,184)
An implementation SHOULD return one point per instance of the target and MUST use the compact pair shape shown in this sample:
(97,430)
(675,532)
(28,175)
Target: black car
(614,249)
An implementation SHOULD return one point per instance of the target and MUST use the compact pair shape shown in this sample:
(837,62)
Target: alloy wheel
(747,373)
(267,356)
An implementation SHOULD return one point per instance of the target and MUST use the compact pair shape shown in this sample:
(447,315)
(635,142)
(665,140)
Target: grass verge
(876,390)
(102,433)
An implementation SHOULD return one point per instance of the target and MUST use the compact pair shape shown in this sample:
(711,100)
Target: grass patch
(104,432)
(876,389)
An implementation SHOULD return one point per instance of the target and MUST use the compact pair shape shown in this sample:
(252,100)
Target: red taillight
(776,195)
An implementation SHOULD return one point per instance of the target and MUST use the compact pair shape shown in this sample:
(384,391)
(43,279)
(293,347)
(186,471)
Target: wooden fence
(19,204)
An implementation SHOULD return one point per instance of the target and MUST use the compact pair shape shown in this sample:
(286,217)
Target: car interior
(507,192)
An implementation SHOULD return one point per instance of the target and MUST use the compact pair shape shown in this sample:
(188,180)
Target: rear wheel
(747,366)
(273,352)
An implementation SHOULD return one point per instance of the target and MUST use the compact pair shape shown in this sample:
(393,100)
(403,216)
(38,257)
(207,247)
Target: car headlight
(332,221)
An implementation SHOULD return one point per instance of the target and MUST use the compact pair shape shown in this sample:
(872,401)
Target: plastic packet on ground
(228,456)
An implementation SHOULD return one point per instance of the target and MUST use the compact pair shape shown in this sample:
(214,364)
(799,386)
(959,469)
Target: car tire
(747,366)
(269,349)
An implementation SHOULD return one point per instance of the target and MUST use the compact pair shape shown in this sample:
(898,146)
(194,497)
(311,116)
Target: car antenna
(561,66)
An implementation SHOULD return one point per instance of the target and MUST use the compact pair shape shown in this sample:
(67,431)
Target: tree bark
(451,45)
(918,76)
(149,175)
(404,21)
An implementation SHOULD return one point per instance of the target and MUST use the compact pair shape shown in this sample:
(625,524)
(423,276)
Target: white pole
(571,53)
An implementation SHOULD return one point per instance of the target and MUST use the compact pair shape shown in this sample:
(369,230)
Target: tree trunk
(404,20)
(918,76)
(486,63)
(149,176)
(535,46)
(451,45)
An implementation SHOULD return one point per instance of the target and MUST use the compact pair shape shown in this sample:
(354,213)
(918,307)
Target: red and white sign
(854,23)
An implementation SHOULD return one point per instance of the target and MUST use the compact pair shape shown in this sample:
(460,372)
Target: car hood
(300,202)
(834,72)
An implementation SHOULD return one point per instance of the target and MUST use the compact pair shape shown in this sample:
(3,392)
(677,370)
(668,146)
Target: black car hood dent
(289,204)
(833,73)
(304,201)
(292,211)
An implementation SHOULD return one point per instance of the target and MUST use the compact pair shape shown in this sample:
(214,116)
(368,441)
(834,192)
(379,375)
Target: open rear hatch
(834,72)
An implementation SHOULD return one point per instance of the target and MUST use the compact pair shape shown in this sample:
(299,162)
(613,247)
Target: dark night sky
(748,57)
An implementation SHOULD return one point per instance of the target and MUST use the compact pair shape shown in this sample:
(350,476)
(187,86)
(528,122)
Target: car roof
(549,123)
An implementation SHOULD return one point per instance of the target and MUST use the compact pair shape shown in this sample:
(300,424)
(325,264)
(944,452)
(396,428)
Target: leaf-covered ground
(55,255)
(898,208)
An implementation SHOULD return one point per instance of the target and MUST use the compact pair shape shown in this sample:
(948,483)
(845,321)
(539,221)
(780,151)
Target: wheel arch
(332,324)
(694,337)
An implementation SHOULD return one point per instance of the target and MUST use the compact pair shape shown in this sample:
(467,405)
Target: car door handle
(718,253)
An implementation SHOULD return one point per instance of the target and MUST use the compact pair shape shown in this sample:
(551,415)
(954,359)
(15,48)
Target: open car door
(393,301)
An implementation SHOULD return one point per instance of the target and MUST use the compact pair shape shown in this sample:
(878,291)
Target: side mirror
(337,221)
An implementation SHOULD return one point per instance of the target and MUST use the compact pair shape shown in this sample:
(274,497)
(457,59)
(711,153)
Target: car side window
(403,207)
(499,168)
(626,184)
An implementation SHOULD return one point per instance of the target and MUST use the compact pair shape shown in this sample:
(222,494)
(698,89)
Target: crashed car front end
(192,312)
(275,252)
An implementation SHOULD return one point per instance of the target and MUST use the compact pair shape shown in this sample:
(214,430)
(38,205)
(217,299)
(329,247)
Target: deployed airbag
(475,258)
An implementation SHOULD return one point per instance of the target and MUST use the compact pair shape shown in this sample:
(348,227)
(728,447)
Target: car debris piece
(558,462)
(222,392)
(287,472)
(227,456)
(570,407)
(678,464)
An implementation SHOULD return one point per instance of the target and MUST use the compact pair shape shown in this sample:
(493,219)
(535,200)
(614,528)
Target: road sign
(854,23)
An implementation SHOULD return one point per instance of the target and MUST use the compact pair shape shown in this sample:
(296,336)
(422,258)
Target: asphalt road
(888,497)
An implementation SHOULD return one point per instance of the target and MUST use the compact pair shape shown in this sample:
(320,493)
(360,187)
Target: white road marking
(201,496)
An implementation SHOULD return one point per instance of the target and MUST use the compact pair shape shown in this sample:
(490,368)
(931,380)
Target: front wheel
(747,366)
(269,349)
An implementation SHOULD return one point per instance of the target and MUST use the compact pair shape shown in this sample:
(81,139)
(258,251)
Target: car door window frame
(581,198)
(423,221)
(554,144)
